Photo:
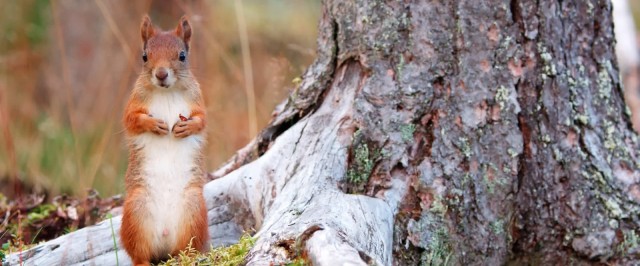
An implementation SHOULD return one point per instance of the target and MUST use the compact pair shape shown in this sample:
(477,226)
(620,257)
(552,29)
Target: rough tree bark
(444,132)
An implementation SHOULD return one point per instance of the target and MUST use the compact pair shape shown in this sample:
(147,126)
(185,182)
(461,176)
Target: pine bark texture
(483,132)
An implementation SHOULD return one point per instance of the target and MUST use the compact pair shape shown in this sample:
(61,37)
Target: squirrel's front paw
(183,129)
(158,127)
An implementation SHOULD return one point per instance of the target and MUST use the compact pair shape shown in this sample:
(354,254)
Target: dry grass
(66,68)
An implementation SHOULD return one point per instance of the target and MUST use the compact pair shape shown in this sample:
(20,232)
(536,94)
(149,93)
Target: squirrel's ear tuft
(146,29)
(184,30)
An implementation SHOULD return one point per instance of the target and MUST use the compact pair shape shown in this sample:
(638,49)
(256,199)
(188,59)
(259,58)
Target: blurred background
(67,67)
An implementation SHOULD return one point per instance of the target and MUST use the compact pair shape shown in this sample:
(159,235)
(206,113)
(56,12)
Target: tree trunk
(479,132)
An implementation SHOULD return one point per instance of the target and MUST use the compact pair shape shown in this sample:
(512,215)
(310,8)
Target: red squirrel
(164,120)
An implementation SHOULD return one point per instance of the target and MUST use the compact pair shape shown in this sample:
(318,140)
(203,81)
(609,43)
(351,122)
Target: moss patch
(363,158)
(222,256)
(439,250)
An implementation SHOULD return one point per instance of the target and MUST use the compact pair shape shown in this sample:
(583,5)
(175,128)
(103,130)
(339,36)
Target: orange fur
(132,231)
(195,223)
(162,50)
(137,119)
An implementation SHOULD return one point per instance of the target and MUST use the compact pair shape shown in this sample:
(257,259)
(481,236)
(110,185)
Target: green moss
(548,69)
(604,82)
(609,141)
(502,96)
(221,256)
(497,227)
(546,138)
(439,251)
(363,166)
(438,206)
(363,162)
(631,241)
(583,119)
(613,207)
(609,198)
(557,154)
(465,148)
(407,131)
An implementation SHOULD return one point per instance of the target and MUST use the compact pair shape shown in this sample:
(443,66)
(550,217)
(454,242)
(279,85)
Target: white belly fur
(166,167)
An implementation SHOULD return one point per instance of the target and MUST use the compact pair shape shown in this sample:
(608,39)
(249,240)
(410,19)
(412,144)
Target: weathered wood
(91,244)
(301,208)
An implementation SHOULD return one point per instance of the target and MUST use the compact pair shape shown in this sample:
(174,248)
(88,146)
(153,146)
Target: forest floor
(28,218)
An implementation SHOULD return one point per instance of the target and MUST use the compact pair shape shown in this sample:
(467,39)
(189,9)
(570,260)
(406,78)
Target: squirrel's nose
(162,74)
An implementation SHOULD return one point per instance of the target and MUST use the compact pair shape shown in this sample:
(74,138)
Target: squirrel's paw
(159,127)
(183,129)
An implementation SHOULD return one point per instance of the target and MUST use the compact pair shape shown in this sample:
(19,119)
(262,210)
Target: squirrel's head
(165,53)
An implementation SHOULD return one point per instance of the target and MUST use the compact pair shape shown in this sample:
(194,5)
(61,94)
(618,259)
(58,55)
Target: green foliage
(13,246)
(40,21)
(221,256)
(24,20)
(40,212)
(3,250)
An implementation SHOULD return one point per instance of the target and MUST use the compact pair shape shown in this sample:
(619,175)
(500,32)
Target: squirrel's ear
(146,29)
(184,30)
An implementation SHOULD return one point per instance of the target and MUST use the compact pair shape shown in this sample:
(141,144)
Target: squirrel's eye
(144,56)
(182,56)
